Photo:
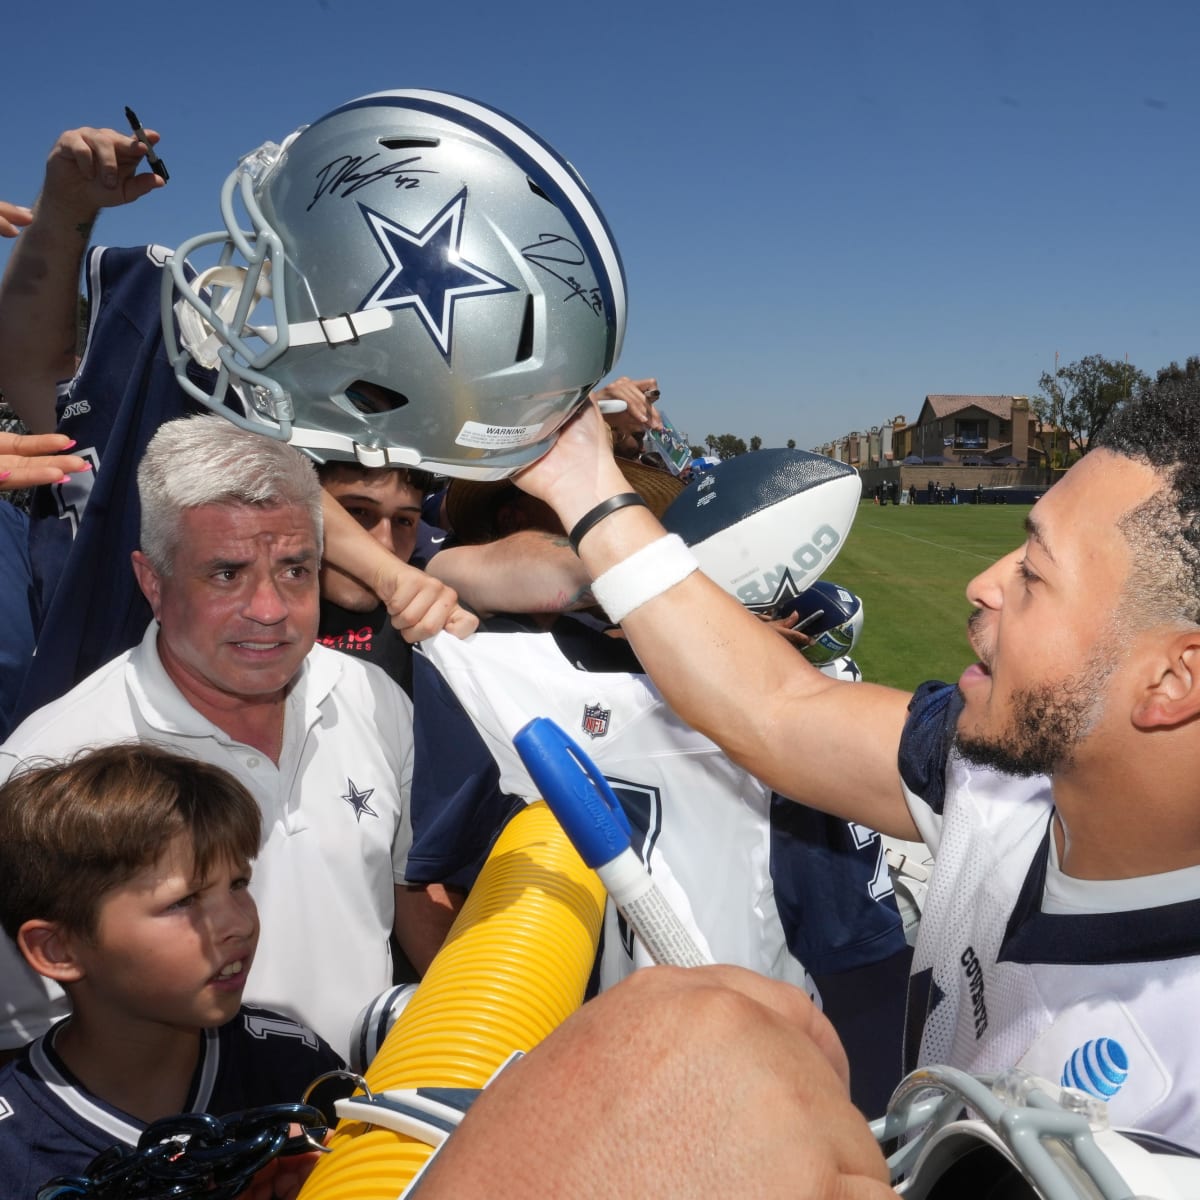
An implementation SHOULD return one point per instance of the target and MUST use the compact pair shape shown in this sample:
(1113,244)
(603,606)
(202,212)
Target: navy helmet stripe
(544,165)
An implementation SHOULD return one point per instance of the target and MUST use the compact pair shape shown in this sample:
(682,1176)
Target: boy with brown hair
(125,880)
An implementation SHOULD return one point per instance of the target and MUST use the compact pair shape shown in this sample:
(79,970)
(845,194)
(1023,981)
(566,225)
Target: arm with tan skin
(419,604)
(531,571)
(828,744)
(424,914)
(88,169)
(752,1101)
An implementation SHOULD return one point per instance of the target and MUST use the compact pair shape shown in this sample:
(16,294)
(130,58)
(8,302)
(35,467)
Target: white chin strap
(202,342)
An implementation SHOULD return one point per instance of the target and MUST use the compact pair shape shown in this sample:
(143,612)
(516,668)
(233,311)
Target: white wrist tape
(646,573)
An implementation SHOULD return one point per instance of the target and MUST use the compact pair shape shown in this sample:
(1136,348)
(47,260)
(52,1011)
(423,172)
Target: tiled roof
(945,406)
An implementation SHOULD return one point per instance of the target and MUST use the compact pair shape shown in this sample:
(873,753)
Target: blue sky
(825,211)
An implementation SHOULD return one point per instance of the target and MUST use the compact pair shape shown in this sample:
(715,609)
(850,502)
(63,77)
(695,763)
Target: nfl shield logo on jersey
(595,720)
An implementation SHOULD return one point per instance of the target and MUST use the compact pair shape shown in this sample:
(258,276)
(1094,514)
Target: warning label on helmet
(495,437)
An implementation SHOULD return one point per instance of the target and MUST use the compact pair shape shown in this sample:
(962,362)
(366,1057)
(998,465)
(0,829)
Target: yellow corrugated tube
(514,966)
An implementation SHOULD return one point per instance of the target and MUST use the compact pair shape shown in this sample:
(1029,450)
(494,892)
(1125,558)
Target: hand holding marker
(156,164)
(579,796)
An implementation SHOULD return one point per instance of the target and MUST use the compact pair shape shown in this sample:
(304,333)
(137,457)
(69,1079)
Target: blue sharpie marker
(579,796)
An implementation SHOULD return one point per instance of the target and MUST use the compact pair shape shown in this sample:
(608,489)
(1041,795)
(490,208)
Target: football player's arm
(531,571)
(419,605)
(752,1101)
(88,169)
(828,744)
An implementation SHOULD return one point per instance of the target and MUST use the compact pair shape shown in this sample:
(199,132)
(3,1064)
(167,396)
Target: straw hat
(472,507)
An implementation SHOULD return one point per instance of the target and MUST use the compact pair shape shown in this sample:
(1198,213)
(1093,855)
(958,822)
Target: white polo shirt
(336,830)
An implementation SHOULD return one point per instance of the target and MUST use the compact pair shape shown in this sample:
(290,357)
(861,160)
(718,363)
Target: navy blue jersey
(89,607)
(17,609)
(50,1125)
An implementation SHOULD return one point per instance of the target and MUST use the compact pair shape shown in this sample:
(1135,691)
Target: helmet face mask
(442,288)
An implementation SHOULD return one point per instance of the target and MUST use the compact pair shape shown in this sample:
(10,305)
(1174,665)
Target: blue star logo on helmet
(426,271)
(1098,1067)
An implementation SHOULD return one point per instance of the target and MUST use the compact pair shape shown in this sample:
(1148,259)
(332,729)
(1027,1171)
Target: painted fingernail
(5,474)
(71,443)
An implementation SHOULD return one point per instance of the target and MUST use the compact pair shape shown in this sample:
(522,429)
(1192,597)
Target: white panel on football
(771,554)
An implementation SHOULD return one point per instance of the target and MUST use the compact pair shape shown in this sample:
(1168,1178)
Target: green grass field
(911,567)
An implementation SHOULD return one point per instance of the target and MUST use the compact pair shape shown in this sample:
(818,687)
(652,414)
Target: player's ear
(148,580)
(50,950)
(1171,695)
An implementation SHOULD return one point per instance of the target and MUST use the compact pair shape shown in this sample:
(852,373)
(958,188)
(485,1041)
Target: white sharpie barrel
(657,925)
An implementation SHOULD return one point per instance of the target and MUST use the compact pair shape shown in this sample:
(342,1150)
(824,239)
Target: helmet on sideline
(425,282)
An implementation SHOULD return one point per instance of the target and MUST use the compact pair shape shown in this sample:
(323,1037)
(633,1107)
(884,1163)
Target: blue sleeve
(83,530)
(927,740)
(832,890)
(16,610)
(458,809)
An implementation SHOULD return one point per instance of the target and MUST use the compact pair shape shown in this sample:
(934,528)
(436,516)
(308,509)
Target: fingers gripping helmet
(831,615)
(439,286)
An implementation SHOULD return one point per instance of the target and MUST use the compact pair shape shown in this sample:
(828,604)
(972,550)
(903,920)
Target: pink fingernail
(5,474)
(71,443)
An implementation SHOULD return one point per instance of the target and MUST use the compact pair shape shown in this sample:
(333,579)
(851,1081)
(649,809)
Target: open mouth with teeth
(229,970)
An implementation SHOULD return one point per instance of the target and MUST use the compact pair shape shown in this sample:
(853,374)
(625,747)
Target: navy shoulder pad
(927,740)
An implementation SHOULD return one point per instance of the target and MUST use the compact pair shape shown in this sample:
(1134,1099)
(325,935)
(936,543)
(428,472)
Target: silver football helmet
(423,282)
(1014,1136)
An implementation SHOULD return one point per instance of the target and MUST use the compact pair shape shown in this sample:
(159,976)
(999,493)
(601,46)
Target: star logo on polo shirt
(426,271)
(357,799)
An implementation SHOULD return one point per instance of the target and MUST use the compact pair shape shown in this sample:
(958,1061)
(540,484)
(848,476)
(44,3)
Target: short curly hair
(1161,428)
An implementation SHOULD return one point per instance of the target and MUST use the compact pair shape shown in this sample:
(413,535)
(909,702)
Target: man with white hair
(227,672)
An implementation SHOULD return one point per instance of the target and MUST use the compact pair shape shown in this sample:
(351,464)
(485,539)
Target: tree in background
(756,442)
(1189,370)
(1081,396)
(791,443)
(725,445)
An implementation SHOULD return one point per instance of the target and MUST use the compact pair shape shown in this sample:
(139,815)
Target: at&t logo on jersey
(1098,1067)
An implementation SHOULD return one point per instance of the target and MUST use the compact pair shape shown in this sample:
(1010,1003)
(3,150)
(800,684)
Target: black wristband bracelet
(594,516)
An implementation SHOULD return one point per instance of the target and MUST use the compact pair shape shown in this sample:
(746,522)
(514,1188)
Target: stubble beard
(1047,726)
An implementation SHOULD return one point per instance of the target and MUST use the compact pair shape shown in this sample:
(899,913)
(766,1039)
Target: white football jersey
(701,823)
(1091,984)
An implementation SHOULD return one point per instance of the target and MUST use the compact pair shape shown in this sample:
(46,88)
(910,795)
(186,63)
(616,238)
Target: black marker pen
(156,164)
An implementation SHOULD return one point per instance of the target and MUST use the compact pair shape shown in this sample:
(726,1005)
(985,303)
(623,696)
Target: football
(766,525)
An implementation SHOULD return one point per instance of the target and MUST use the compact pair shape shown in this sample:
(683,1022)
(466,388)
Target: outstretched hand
(90,169)
(31,459)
